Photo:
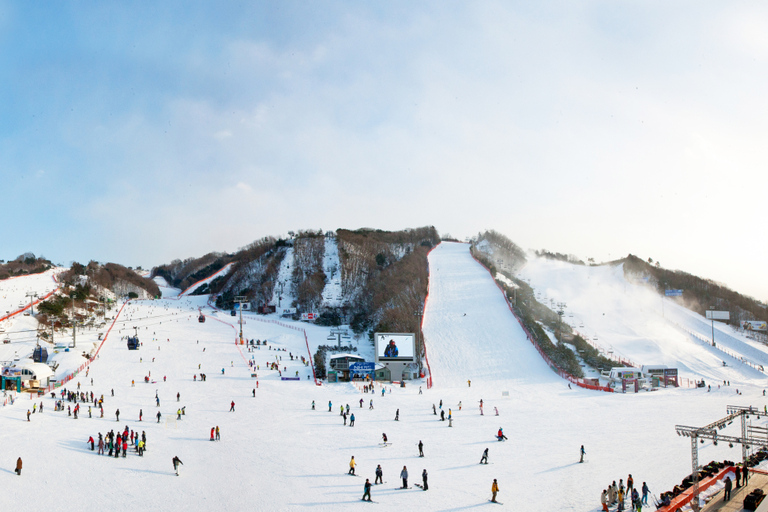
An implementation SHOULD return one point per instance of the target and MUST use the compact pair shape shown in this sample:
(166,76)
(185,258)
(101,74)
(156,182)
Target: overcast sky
(140,132)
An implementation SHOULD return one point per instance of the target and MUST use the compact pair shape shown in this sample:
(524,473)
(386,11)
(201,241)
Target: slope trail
(469,331)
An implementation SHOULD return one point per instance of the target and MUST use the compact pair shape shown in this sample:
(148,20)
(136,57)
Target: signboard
(395,346)
(362,367)
(673,293)
(246,306)
(288,311)
(718,315)
(754,325)
(310,317)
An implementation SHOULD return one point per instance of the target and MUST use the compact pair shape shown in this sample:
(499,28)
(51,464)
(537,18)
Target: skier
(117,415)
(329,405)
(352,420)
(218,433)
(424,479)
(90,440)
(141,413)
(442,415)
(645,493)
(397,415)
(484,458)
(404,476)
(361,403)
(582,457)
(178,414)
(313,405)
(494,490)
(379,475)
(496,410)
(434,410)
(101,445)
(367,490)
(213,430)
(178,396)
(232,406)
(370,406)
(158,416)
(176,462)
(421,449)
(384,437)
(604,500)
(18,466)
(352,465)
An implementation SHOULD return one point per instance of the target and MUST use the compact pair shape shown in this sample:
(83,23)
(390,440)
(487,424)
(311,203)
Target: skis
(369,501)
(496,502)
(384,444)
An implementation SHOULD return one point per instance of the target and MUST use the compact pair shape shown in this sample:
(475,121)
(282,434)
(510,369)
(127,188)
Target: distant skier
(361,403)
(352,420)
(434,410)
(352,465)
(367,490)
(442,415)
(176,462)
(91,441)
(178,397)
(330,405)
(582,454)
(424,480)
(404,476)
(469,383)
(232,406)
(18,466)
(379,475)
(484,458)
(421,449)
(218,433)
(384,438)
(313,405)
(159,416)
(494,490)
(397,415)
(496,410)
(500,435)
(117,415)
(213,430)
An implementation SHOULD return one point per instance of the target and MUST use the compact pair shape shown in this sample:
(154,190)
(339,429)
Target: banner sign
(718,315)
(362,367)
(673,293)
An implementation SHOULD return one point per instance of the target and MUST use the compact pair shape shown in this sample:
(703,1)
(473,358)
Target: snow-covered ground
(276,453)
(222,272)
(282,296)
(633,322)
(332,268)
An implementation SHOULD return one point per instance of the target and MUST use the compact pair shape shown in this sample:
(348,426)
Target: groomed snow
(278,454)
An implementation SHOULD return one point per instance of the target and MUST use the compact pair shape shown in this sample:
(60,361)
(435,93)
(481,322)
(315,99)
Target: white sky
(148,133)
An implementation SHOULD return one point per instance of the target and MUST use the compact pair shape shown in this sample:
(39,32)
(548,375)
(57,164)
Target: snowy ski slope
(276,453)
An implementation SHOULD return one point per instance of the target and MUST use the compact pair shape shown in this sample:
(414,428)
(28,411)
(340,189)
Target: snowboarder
(313,405)
(421,449)
(178,397)
(352,465)
(329,405)
(404,476)
(500,435)
(379,475)
(176,462)
(494,490)
(582,456)
(18,466)
(218,433)
(352,420)
(232,406)
(442,415)
(213,430)
(424,480)
(384,437)
(469,383)
(159,416)
(367,490)
(397,415)
(484,458)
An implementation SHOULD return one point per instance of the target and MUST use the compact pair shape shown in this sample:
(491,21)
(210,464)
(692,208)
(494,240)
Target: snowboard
(496,502)
(419,486)
(384,444)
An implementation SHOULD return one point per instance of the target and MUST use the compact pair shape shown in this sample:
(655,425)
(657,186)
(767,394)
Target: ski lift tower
(338,333)
(31,296)
(419,313)
(240,299)
(746,440)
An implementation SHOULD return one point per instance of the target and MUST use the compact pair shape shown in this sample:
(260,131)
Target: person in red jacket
(213,430)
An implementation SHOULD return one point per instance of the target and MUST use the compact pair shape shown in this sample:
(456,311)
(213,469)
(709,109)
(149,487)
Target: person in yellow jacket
(352,465)
(494,490)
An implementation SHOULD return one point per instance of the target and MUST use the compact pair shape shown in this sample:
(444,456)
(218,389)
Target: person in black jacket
(367,490)
(728,486)
(176,462)
(424,479)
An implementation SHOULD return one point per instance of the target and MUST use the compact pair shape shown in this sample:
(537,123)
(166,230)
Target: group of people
(117,443)
(380,479)
(617,494)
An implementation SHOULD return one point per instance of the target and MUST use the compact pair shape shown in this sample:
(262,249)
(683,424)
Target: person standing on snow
(424,480)
(404,476)
(18,466)
(367,490)
(218,433)
(494,490)
(176,462)
(421,449)
(213,430)
(159,416)
(232,406)
(484,458)
(352,465)
(90,440)
(397,415)
(583,453)
(379,475)
(352,420)
(604,500)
